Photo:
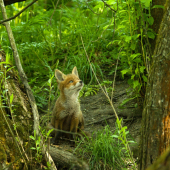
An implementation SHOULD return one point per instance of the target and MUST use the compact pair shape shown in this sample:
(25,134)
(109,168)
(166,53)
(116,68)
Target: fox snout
(80,84)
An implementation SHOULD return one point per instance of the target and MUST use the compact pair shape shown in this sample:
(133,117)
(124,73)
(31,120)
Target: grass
(103,150)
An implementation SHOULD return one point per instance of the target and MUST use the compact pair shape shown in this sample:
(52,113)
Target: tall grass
(104,151)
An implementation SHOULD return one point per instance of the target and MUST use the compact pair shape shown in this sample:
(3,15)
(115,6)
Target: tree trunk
(155,133)
(157,14)
(16,113)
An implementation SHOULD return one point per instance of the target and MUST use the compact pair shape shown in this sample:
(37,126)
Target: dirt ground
(98,113)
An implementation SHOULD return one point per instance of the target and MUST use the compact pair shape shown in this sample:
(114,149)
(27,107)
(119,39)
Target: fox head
(69,85)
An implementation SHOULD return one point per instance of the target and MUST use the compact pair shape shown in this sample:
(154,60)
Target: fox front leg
(74,126)
(58,126)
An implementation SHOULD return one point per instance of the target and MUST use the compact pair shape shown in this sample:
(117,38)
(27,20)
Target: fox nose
(81,81)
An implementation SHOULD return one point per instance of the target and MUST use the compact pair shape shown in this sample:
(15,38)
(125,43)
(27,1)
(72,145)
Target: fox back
(67,114)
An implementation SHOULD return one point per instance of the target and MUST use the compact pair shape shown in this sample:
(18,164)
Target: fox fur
(67,115)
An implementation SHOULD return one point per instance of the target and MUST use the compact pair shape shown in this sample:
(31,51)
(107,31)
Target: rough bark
(157,14)
(10,155)
(155,133)
(67,160)
(20,69)
(163,162)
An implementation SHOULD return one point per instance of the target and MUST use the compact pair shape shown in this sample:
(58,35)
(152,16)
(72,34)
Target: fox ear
(74,71)
(59,75)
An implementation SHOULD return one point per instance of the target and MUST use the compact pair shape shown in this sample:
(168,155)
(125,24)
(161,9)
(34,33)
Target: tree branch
(8,19)
(109,6)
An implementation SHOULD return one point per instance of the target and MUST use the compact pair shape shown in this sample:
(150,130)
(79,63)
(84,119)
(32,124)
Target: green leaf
(115,136)
(158,6)
(150,20)
(126,100)
(135,84)
(5,63)
(134,37)
(33,148)
(10,68)
(142,68)
(128,38)
(38,148)
(146,3)
(133,46)
(124,72)
(137,60)
(133,56)
(136,71)
(131,141)
(151,35)
(144,78)
(11,98)
(48,133)
(32,137)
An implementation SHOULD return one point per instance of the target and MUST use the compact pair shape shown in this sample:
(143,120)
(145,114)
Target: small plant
(122,137)
(89,90)
(38,144)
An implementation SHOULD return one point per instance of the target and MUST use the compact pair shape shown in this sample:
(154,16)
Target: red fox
(67,115)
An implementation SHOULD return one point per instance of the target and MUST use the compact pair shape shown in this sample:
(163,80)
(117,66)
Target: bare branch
(109,6)
(8,19)
(53,12)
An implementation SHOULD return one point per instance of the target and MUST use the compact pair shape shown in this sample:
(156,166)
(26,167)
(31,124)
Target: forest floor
(98,113)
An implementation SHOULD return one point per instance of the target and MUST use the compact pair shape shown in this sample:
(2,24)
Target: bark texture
(155,134)
(163,162)
(67,160)
(12,153)
(157,14)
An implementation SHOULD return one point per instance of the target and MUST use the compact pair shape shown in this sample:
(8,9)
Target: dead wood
(135,112)
(66,159)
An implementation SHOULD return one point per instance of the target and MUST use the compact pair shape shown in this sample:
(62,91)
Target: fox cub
(67,115)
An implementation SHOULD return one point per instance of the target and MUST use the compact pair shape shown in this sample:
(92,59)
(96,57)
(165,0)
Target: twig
(115,73)
(92,10)
(105,92)
(5,20)
(100,120)
(53,12)
(109,6)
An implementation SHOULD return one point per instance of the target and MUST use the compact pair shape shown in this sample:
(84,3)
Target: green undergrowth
(106,149)
(49,39)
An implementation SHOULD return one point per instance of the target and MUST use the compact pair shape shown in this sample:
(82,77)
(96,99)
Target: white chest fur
(72,107)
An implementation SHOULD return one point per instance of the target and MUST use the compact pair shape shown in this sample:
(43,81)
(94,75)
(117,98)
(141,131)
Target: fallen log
(66,159)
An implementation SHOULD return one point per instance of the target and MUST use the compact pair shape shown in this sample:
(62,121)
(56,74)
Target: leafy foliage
(48,39)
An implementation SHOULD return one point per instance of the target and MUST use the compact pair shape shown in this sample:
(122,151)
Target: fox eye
(71,81)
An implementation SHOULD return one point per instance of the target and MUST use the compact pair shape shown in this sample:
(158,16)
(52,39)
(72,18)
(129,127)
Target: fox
(66,114)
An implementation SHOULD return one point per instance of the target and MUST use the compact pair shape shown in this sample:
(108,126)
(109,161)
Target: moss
(3,156)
